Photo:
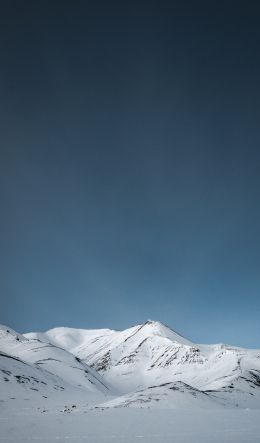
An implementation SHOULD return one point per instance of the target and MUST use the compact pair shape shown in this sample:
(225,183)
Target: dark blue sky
(130,166)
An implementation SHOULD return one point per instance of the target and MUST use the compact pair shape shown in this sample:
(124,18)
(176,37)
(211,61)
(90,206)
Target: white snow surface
(146,382)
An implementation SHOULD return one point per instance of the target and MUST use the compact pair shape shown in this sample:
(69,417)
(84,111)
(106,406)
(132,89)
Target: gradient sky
(130,166)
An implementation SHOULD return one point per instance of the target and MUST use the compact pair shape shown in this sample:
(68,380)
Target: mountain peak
(157,328)
(152,322)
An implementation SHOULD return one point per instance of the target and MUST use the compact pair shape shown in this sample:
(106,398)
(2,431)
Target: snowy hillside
(34,370)
(152,354)
(148,364)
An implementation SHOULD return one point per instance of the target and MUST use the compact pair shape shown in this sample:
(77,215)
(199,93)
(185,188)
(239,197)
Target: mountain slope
(176,395)
(31,368)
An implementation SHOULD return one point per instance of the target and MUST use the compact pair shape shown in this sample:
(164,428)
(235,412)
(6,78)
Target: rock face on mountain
(152,355)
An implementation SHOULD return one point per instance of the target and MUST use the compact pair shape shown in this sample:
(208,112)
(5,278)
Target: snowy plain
(131,425)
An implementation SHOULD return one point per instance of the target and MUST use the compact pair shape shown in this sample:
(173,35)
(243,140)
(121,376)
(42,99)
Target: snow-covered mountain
(148,365)
(35,370)
(152,354)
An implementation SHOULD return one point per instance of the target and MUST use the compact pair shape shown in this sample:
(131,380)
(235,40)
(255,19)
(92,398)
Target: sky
(130,166)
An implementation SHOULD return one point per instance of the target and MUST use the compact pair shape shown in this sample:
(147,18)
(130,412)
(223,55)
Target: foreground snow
(130,425)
